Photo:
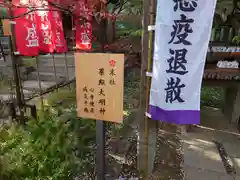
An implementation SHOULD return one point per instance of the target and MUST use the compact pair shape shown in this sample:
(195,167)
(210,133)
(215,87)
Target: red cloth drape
(44,25)
(26,31)
(58,33)
(39,31)
(43,30)
(84,27)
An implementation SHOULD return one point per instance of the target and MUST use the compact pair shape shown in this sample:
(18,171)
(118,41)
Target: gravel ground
(169,155)
(168,159)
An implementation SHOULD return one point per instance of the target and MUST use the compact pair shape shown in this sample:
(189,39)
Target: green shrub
(212,96)
(48,149)
(65,97)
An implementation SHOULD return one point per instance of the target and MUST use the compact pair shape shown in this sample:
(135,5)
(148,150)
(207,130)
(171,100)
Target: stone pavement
(202,160)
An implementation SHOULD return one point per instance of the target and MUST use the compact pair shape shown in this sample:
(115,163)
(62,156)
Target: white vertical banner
(182,33)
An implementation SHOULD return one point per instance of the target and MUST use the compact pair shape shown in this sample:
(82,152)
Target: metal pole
(20,83)
(11,105)
(73,39)
(100,158)
(73,33)
(66,69)
(39,82)
(54,69)
(15,60)
(101,127)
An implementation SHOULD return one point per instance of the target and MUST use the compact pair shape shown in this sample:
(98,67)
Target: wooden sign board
(99,86)
(6,27)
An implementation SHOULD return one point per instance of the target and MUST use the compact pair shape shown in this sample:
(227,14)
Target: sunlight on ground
(214,155)
(119,159)
(126,113)
(213,108)
(210,154)
(205,142)
(223,131)
(199,142)
(196,146)
(237,162)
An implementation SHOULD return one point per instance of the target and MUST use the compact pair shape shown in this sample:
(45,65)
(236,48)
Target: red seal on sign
(112,63)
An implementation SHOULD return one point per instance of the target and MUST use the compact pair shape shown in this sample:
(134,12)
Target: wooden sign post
(99,88)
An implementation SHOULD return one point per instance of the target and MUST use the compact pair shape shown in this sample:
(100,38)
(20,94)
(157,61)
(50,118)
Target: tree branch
(119,7)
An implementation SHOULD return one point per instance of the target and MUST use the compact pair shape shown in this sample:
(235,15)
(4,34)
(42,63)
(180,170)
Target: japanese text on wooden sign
(99,79)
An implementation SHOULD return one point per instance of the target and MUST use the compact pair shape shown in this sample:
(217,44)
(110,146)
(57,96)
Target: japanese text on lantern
(45,24)
(58,29)
(32,37)
(99,77)
(177,62)
(58,40)
(85,33)
(46,34)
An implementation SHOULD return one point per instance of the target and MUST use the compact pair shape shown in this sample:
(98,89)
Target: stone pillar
(231,107)
(236,108)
